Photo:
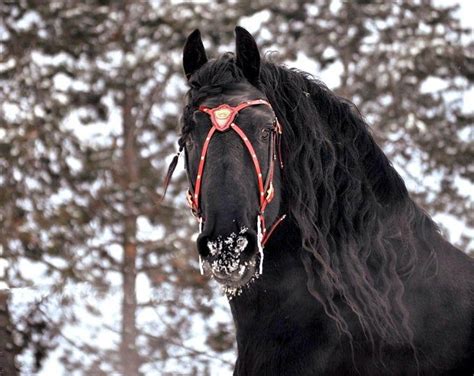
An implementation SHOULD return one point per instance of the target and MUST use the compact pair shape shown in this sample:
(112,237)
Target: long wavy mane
(359,229)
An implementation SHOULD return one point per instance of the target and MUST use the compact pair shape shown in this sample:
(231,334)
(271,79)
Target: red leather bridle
(222,118)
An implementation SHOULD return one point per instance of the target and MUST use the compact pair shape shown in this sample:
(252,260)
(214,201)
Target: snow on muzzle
(232,260)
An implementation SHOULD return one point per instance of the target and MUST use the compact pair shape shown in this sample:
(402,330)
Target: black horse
(357,278)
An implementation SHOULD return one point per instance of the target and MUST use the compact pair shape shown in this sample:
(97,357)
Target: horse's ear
(248,57)
(194,55)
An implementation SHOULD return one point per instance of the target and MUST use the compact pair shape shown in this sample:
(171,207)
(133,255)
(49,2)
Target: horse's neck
(279,324)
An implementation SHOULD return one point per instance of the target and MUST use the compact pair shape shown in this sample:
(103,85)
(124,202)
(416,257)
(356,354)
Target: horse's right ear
(248,57)
(194,55)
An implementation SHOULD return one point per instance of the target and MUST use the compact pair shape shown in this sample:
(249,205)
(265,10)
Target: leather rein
(222,118)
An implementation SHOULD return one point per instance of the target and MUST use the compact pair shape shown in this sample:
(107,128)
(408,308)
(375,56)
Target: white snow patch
(201,267)
(232,292)
(234,242)
(259,242)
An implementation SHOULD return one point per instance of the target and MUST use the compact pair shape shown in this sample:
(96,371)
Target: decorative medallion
(222,116)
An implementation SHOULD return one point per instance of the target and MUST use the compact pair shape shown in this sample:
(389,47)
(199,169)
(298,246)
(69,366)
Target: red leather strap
(267,235)
(254,158)
(202,161)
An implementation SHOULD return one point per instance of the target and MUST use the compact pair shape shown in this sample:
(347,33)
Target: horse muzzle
(232,259)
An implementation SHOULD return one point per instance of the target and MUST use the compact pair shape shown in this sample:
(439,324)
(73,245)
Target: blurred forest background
(103,280)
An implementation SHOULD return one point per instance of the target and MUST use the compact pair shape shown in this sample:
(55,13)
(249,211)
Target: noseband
(222,118)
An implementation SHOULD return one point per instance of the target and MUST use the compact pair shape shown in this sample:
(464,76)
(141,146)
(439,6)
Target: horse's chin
(239,278)
(233,280)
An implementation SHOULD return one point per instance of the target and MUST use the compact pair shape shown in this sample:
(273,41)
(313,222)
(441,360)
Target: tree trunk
(128,349)
(7,348)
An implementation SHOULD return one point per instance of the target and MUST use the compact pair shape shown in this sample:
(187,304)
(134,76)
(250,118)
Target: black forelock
(221,72)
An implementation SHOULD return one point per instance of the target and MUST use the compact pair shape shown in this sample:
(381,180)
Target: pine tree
(90,94)
(7,345)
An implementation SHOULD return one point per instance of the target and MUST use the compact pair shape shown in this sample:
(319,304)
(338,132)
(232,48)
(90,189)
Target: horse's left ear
(248,56)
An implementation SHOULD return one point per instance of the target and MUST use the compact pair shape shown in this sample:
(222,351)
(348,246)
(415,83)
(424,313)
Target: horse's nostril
(202,247)
(251,237)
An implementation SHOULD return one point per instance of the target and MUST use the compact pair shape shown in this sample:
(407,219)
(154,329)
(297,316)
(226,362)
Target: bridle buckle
(270,193)
(189,199)
(278,126)
(190,202)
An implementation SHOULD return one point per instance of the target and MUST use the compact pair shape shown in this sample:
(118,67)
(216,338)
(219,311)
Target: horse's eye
(189,142)
(265,133)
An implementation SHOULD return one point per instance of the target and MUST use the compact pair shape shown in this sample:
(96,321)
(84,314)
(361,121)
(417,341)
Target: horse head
(231,138)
